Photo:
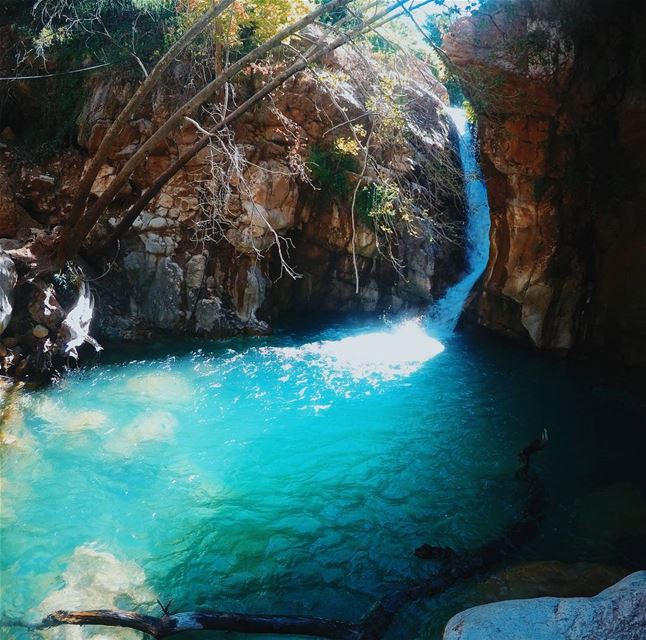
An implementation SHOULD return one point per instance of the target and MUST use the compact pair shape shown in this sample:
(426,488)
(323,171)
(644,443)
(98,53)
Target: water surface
(298,473)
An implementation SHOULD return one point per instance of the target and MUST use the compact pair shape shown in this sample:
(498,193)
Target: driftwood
(373,626)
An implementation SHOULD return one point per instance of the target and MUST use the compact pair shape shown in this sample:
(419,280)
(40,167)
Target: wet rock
(10,341)
(158,283)
(44,308)
(40,331)
(207,314)
(619,613)
(253,285)
(195,270)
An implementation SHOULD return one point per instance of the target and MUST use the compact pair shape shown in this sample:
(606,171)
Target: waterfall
(445,313)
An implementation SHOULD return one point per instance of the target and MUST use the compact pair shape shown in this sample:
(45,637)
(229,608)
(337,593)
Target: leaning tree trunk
(79,224)
(144,89)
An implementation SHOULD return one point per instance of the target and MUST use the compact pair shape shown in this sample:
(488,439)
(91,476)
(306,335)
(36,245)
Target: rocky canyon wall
(211,254)
(560,93)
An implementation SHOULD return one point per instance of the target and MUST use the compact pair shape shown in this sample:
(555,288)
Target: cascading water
(445,313)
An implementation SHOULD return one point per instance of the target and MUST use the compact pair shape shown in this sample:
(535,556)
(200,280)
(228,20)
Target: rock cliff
(560,93)
(247,233)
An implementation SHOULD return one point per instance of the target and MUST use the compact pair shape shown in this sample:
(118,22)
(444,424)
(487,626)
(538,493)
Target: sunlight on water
(383,355)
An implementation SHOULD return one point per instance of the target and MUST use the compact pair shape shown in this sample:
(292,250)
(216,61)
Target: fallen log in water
(168,625)
(372,626)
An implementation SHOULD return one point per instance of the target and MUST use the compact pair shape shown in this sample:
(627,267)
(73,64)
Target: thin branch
(53,75)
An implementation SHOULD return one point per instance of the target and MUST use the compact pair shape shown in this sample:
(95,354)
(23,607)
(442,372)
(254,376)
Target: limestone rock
(157,295)
(619,613)
(195,270)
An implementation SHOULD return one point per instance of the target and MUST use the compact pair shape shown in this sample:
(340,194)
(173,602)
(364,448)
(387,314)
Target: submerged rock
(144,429)
(618,613)
(550,578)
(161,386)
(95,577)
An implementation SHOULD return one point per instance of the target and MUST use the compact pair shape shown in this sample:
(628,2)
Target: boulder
(207,314)
(618,612)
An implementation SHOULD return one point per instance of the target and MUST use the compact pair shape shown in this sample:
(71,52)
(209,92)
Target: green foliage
(328,170)
(376,203)
(469,112)
(108,31)
(379,44)
(454,89)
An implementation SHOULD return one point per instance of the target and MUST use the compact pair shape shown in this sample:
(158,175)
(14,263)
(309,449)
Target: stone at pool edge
(617,613)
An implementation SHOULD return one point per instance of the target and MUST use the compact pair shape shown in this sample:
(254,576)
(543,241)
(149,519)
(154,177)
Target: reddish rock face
(563,150)
(198,261)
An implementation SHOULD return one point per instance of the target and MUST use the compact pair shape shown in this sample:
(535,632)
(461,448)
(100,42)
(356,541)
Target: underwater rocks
(94,576)
(619,613)
(549,578)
